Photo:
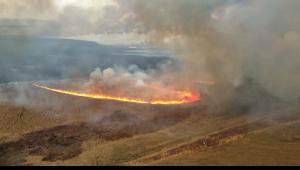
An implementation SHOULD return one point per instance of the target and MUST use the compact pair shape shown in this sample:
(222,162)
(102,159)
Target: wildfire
(183,97)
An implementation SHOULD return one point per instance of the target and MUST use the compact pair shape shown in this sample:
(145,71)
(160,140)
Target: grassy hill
(130,134)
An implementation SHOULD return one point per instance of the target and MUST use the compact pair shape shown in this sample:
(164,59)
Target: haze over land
(240,57)
(226,40)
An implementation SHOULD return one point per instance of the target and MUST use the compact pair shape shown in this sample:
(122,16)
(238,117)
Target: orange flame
(185,97)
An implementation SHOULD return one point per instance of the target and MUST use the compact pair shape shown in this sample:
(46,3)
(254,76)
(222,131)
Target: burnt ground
(65,142)
(115,121)
(210,140)
(223,136)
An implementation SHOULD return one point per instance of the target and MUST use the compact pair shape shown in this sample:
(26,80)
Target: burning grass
(172,98)
(85,131)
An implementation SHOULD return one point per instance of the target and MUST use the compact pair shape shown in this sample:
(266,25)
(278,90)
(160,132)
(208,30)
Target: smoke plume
(230,41)
(63,17)
(236,43)
(135,83)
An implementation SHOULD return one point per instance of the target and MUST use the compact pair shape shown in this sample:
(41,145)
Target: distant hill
(37,58)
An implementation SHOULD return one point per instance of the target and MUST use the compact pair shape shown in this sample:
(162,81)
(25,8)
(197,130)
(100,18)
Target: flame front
(185,96)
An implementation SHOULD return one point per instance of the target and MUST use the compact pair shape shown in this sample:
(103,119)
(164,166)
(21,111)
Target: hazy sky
(106,20)
(47,9)
(66,18)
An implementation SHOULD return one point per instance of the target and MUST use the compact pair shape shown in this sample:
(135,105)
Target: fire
(183,97)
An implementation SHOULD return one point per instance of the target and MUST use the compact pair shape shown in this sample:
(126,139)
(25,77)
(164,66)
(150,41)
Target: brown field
(53,129)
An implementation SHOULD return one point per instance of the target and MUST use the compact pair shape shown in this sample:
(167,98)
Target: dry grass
(273,146)
(161,131)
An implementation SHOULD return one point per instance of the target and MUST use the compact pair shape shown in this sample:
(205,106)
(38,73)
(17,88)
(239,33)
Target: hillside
(113,133)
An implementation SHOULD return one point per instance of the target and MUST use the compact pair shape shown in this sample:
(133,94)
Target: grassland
(110,133)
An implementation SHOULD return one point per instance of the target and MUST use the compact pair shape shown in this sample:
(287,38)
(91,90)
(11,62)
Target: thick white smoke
(131,77)
(66,18)
(135,83)
(231,41)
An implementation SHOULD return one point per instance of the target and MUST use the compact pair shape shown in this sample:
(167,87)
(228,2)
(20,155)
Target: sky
(78,19)
(48,9)
(104,21)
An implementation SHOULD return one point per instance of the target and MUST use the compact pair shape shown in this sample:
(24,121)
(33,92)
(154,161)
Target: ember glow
(183,97)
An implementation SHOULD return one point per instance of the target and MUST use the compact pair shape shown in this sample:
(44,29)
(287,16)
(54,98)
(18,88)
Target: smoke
(230,41)
(135,83)
(63,17)
(27,9)
(133,77)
